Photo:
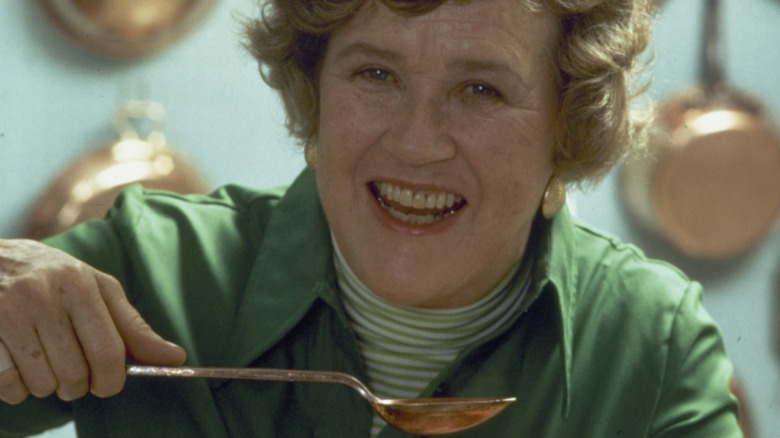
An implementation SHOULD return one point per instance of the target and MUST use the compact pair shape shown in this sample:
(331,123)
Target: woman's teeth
(420,207)
(418,200)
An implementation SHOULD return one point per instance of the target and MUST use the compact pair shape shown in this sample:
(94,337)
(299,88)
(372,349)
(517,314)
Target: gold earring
(554,197)
(310,154)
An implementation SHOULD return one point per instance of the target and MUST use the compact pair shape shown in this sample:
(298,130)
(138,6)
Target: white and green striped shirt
(404,348)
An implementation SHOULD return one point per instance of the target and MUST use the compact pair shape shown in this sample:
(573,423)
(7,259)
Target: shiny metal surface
(710,183)
(424,416)
(125,29)
(88,187)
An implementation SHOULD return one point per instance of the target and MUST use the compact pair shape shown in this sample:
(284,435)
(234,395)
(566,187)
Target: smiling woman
(427,250)
(421,128)
(596,57)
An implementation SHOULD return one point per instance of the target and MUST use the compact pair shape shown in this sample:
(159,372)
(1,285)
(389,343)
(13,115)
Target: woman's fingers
(66,327)
(142,343)
(63,353)
(32,363)
(21,302)
(12,390)
(101,347)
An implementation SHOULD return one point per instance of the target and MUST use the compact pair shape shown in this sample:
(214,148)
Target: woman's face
(435,143)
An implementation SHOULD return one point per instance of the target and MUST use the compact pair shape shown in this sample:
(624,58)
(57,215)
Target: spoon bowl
(439,416)
(421,416)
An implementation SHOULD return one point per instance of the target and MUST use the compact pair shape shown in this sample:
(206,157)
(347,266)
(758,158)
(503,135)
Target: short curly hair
(597,58)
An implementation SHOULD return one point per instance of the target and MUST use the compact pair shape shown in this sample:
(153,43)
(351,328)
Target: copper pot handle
(712,76)
(136,109)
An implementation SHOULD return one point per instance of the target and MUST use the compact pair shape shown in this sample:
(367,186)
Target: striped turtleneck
(404,348)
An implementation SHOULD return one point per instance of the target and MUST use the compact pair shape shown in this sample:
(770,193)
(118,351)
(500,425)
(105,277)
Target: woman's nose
(420,135)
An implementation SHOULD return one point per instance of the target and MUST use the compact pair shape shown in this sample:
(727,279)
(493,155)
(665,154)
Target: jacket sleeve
(695,399)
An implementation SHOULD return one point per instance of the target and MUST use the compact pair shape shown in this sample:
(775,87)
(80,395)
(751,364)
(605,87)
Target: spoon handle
(279,375)
(434,416)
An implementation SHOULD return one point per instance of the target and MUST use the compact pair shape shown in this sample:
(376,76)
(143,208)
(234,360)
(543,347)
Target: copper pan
(125,29)
(87,188)
(711,182)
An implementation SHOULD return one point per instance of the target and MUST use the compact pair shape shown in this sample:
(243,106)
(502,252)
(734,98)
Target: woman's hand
(67,327)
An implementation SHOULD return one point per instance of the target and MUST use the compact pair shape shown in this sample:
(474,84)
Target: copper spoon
(422,416)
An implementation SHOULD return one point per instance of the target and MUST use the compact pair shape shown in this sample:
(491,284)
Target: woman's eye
(373,73)
(484,90)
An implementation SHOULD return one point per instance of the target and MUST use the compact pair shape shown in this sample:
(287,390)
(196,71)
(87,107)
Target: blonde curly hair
(597,58)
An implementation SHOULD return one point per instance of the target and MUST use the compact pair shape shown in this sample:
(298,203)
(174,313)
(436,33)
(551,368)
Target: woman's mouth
(415,207)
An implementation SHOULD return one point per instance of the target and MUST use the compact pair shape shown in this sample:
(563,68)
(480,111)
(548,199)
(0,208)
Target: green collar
(294,269)
(556,268)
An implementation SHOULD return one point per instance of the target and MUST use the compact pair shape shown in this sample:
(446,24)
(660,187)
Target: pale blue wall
(55,103)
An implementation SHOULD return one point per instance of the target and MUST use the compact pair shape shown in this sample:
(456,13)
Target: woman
(426,249)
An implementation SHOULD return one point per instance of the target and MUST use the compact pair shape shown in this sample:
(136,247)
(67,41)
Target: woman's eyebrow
(368,50)
(486,67)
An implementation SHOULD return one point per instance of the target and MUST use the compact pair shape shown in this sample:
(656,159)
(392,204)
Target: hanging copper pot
(125,29)
(711,180)
(87,188)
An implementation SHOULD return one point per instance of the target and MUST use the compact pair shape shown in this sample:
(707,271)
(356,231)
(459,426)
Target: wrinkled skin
(463,101)
(66,327)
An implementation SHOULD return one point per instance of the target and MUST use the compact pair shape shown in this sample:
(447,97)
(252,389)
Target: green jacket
(609,345)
